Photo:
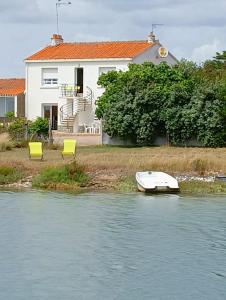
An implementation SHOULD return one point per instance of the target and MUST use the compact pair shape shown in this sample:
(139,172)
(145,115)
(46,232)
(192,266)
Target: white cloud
(193,29)
(206,51)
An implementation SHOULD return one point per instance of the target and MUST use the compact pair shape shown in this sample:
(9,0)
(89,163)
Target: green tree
(39,128)
(221,57)
(184,102)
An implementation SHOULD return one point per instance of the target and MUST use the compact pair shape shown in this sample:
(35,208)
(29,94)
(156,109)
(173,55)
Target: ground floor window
(6,105)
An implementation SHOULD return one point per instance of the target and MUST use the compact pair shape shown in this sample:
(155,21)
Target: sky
(193,29)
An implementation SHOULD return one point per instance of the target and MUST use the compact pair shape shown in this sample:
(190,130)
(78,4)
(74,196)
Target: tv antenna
(58,4)
(155,25)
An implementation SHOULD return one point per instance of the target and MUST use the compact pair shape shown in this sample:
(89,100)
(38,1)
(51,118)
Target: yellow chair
(69,148)
(35,150)
(69,91)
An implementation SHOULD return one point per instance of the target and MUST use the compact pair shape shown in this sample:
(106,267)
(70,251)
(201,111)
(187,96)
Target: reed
(194,161)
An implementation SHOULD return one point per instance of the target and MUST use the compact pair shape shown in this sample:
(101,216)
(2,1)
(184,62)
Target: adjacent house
(61,79)
(12,97)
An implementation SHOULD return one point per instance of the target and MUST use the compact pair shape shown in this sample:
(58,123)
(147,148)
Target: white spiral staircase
(70,110)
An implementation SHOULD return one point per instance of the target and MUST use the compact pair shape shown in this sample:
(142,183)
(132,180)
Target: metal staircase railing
(78,103)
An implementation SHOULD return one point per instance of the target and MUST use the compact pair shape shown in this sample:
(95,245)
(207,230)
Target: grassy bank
(113,168)
(128,184)
(68,177)
(202,188)
(11,174)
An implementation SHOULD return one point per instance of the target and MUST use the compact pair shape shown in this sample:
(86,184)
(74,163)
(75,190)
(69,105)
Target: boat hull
(156,182)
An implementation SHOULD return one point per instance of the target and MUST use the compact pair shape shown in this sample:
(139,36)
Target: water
(98,246)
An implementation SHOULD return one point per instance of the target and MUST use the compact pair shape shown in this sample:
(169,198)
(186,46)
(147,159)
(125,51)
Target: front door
(50,112)
(79,79)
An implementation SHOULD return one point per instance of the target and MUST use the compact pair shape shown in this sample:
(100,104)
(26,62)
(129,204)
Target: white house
(61,79)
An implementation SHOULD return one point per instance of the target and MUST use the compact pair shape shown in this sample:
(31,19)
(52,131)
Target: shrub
(39,129)
(2,128)
(72,175)
(17,129)
(10,174)
(20,144)
(10,115)
(200,166)
(157,100)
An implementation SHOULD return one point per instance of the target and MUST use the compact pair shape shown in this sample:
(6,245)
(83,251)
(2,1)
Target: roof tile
(95,50)
(12,87)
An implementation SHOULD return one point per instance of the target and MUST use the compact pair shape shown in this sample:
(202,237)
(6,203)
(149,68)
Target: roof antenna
(58,4)
(151,36)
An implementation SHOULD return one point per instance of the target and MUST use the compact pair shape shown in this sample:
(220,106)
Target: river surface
(111,246)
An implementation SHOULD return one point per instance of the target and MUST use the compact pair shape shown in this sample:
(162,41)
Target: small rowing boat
(151,181)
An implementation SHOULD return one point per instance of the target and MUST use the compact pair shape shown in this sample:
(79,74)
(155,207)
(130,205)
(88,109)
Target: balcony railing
(70,91)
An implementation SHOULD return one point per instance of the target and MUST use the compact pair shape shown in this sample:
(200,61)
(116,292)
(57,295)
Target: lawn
(194,161)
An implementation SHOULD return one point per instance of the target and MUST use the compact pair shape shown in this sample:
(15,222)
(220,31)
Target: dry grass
(200,161)
(4,137)
(194,161)
(19,156)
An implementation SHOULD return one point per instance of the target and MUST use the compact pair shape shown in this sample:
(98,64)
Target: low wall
(83,139)
(159,141)
(116,141)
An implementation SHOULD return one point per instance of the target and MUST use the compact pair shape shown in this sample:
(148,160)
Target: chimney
(151,38)
(56,39)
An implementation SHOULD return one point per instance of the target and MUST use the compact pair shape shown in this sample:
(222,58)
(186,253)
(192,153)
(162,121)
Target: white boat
(151,181)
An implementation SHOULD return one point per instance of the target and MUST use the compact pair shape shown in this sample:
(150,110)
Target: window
(104,70)
(49,76)
(6,105)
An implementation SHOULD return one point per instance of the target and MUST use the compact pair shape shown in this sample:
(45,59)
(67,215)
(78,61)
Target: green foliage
(2,128)
(9,174)
(20,128)
(211,123)
(20,144)
(202,188)
(185,102)
(72,174)
(39,128)
(17,129)
(10,115)
(220,57)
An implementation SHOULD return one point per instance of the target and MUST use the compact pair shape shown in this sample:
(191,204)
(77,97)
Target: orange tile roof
(12,87)
(95,50)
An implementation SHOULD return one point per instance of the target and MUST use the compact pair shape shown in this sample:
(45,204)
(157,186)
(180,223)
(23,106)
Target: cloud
(206,51)
(193,29)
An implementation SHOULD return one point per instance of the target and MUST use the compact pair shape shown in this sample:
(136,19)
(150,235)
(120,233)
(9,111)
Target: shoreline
(108,183)
(113,169)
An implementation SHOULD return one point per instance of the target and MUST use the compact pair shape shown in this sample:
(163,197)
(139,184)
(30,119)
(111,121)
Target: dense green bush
(10,174)
(180,102)
(72,174)
(39,128)
(10,115)
(17,129)
(21,129)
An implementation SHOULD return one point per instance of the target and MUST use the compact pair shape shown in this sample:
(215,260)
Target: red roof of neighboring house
(12,87)
(95,50)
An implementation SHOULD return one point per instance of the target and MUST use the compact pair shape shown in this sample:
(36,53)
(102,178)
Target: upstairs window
(104,70)
(49,76)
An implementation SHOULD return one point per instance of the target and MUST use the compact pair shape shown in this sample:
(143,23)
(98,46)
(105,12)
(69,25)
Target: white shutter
(49,76)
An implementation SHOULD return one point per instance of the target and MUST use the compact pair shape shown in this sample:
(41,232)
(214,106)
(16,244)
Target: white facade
(43,92)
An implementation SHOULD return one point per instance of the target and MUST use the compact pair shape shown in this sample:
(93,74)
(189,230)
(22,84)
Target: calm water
(97,246)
